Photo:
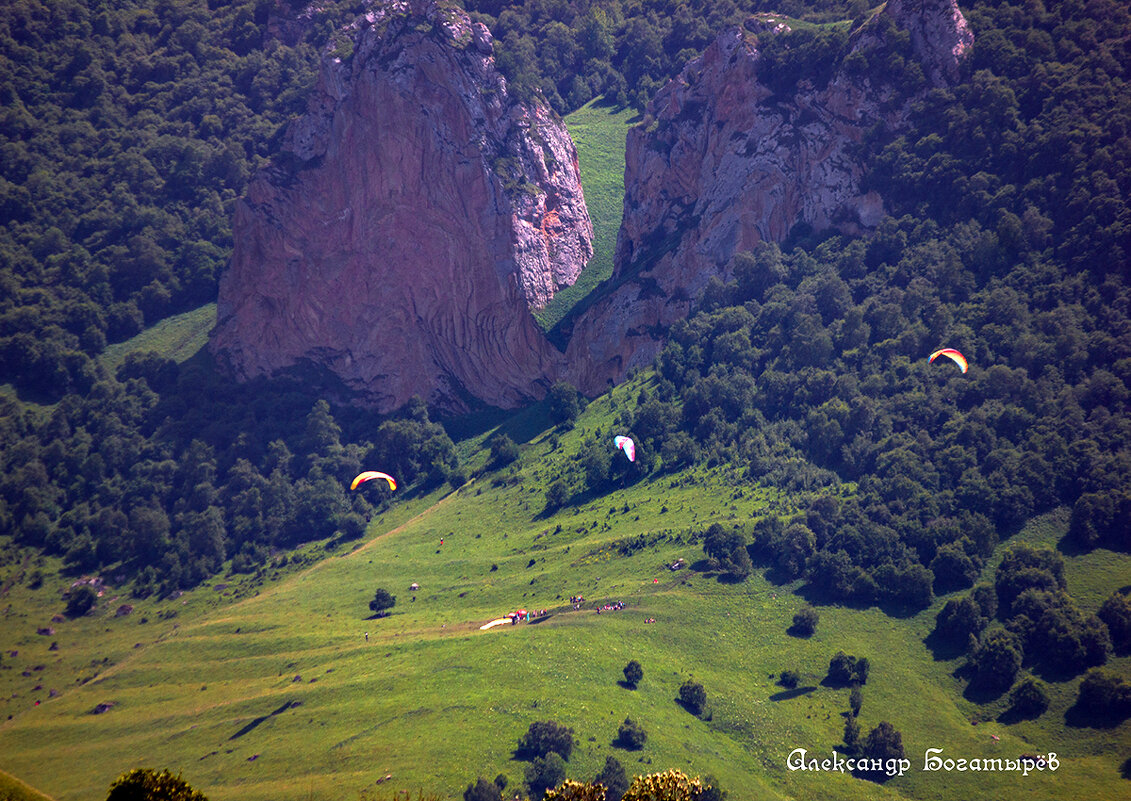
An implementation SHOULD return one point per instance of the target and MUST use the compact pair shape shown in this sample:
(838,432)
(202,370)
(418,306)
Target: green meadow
(178,338)
(598,130)
(265,687)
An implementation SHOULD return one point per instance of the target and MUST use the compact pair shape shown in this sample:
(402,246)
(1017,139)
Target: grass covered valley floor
(267,688)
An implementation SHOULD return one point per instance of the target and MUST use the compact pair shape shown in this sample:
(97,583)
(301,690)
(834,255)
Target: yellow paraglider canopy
(369,475)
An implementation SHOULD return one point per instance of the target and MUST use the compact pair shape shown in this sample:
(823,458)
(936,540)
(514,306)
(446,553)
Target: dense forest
(129,129)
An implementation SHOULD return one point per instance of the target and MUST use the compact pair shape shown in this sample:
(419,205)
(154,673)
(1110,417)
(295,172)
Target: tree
(851,734)
(544,773)
(143,784)
(883,743)
(556,495)
(855,701)
(631,735)
(845,670)
(562,399)
(382,600)
(482,790)
(1105,696)
(613,777)
(1029,698)
(805,622)
(789,679)
(503,450)
(633,673)
(693,697)
(1116,615)
(996,660)
(958,620)
(545,736)
(80,600)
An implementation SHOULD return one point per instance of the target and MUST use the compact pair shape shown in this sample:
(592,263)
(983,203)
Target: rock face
(727,163)
(415,217)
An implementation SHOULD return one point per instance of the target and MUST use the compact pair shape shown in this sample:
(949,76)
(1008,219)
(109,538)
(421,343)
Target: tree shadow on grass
(942,649)
(1015,715)
(1079,717)
(250,726)
(626,685)
(796,692)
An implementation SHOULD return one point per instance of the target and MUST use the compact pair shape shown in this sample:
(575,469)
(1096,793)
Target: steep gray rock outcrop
(725,162)
(417,214)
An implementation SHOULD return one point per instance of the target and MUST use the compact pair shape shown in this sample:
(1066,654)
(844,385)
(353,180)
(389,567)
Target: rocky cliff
(415,216)
(727,159)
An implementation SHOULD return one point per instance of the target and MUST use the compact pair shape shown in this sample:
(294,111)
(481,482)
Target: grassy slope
(434,701)
(599,133)
(12,789)
(178,338)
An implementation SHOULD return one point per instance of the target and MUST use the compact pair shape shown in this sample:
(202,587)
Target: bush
(503,450)
(693,697)
(855,701)
(545,773)
(81,600)
(614,779)
(482,790)
(633,673)
(1105,695)
(545,737)
(845,670)
(789,679)
(631,735)
(144,784)
(562,399)
(1029,698)
(851,735)
(883,742)
(382,600)
(996,660)
(556,495)
(1116,615)
(805,622)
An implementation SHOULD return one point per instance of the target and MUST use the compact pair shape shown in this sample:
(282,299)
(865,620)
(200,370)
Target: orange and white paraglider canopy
(369,475)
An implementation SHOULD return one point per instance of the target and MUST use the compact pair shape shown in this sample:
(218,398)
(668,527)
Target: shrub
(1029,698)
(544,737)
(1105,695)
(482,790)
(996,660)
(562,399)
(845,670)
(671,785)
(633,673)
(544,773)
(883,742)
(789,679)
(855,701)
(80,601)
(503,450)
(556,495)
(631,735)
(613,777)
(576,791)
(805,622)
(851,735)
(1116,615)
(144,784)
(693,697)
